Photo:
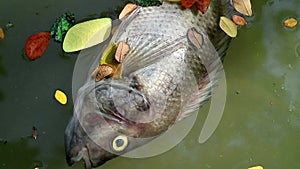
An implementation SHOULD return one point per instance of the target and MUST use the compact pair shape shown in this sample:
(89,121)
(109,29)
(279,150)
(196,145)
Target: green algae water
(260,125)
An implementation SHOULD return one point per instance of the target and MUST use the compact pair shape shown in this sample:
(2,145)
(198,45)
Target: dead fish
(164,79)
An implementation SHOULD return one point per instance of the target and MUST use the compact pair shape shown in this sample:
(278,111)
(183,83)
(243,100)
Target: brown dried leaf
(127,10)
(195,37)
(239,20)
(228,26)
(122,50)
(290,23)
(1,34)
(101,72)
(243,6)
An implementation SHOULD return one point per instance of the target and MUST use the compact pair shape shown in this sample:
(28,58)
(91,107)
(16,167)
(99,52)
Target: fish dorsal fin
(213,80)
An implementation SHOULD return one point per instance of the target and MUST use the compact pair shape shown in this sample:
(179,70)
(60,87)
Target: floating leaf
(87,34)
(61,97)
(122,50)
(239,20)
(1,34)
(148,2)
(108,56)
(195,37)
(127,10)
(62,25)
(243,6)
(290,23)
(228,26)
(256,167)
(102,71)
(36,45)
(202,5)
(187,3)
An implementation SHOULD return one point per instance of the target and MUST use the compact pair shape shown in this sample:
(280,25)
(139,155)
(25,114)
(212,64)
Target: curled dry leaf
(187,3)
(102,71)
(61,97)
(228,26)
(122,50)
(202,5)
(243,6)
(290,23)
(127,10)
(1,34)
(195,37)
(239,20)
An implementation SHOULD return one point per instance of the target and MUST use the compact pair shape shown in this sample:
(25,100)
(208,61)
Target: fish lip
(82,155)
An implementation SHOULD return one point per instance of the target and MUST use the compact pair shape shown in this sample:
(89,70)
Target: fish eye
(120,143)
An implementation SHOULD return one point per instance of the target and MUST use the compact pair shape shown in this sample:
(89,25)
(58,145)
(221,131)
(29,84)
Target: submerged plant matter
(62,25)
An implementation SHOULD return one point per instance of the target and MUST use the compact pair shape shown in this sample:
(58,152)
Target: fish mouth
(83,155)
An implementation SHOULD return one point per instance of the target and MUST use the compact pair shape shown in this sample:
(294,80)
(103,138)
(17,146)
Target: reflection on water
(260,125)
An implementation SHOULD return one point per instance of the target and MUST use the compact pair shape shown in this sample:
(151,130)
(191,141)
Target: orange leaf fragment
(290,23)
(36,45)
(202,5)
(102,71)
(122,50)
(1,34)
(127,10)
(239,20)
(187,3)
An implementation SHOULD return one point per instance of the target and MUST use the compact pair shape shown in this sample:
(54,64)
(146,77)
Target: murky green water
(261,122)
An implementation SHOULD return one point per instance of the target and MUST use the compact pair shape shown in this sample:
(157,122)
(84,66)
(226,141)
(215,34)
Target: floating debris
(202,5)
(127,10)
(239,20)
(62,25)
(121,52)
(9,25)
(36,45)
(34,133)
(290,22)
(61,97)
(228,26)
(243,6)
(195,37)
(1,33)
(82,35)
(148,2)
(102,71)
(256,167)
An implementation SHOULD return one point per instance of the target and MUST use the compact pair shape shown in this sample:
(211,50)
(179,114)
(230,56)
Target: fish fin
(87,60)
(212,80)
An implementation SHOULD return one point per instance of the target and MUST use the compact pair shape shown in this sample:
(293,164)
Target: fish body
(164,79)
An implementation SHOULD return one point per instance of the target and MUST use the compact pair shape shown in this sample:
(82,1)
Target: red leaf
(202,5)
(187,3)
(36,45)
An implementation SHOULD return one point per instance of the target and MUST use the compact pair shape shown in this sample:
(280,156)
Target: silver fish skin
(164,79)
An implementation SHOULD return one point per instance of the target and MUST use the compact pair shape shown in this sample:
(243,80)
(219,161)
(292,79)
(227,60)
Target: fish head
(95,134)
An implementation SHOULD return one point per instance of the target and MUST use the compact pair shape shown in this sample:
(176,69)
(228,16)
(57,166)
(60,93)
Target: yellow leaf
(243,6)
(290,23)
(60,97)
(228,26)
(256,167)
(108,56)
(87,34)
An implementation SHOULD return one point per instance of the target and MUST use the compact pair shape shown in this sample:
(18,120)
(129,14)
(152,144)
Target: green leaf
(87,34)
